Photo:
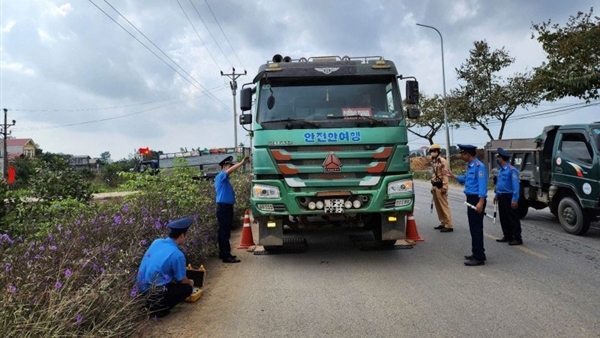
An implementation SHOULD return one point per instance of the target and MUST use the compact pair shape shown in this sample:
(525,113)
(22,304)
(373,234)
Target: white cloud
(18,67)
(8,26)
(62,10)
(44,36)
(462,10)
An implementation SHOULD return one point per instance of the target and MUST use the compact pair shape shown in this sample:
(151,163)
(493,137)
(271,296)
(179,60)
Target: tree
(105,158)
(432,117)
(573,62)
(25,168)
(485,95)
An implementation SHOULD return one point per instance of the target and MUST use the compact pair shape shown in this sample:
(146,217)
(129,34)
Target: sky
(87,76)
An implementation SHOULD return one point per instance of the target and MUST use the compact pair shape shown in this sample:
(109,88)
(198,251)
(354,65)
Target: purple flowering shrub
(77,278)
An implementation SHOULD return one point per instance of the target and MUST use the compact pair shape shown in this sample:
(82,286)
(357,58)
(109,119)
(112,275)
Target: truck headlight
(399,187)
(265,191)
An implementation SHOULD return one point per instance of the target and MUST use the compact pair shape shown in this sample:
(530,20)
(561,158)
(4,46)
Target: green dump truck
(330,145)
(559,169)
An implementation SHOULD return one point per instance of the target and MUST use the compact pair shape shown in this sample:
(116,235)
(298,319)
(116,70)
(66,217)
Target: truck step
(367,242)
(291,245)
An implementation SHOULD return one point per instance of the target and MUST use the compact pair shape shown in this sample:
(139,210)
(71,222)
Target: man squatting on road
(162,274)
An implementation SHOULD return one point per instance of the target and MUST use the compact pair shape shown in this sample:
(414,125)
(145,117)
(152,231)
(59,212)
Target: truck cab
(330,144)
(559,169)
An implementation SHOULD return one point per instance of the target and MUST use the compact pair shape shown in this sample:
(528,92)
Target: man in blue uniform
(162,274)
(225,202)
(507,197)
(475,181)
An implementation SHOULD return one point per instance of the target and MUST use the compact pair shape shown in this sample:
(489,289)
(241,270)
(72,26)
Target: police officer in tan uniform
(439,188)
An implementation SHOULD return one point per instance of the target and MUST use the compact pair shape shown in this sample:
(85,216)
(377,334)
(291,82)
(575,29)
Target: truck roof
(515,143)
(530,143)
(326,65)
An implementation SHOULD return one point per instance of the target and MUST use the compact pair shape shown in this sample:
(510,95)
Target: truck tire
(523,208)
(554,211)
(572,217)
(375,222)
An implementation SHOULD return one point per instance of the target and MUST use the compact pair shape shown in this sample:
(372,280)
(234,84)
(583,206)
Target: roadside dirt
(203,317)
(420,163)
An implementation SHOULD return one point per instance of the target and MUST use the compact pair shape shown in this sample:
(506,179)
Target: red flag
(12,174)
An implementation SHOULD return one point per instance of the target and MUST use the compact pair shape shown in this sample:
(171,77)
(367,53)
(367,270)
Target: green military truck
(559,169)
(330,145)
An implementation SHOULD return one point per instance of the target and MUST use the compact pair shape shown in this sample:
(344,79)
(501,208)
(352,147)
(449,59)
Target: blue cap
(182,223)
(466,147)
(503,153)
(227,160)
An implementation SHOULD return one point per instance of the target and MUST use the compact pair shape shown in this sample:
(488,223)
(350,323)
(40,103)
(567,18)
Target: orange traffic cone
(411,228)
(247,240)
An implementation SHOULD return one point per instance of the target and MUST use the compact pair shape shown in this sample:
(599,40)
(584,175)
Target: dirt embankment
(420,163)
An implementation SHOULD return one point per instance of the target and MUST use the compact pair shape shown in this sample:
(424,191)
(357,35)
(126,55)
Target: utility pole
(233,84)
(445,99)
(5,133)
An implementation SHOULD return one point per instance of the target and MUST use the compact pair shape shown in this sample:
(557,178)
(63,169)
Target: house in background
(79,162)
(17,147)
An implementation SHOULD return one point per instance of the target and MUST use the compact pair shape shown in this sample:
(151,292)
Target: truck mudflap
(270,231)
(393,227)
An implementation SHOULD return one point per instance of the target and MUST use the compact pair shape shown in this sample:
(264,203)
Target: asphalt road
(546,288)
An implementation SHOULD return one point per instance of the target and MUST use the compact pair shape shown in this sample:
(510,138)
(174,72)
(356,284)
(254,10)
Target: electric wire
(165,54)
(540,114)
(225,35)
(102,108)
(198,34)
(199,86)
(114,117)
(211,35)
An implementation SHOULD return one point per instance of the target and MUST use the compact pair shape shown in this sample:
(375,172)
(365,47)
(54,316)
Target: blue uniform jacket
(475,179)
(508,181)
(163,262)
(225,193)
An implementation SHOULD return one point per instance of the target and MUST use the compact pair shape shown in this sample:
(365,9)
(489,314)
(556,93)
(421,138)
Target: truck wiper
(362,117)
(290,120)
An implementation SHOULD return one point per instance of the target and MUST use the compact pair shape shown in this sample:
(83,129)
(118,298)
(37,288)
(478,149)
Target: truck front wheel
(572,217)
(523,207)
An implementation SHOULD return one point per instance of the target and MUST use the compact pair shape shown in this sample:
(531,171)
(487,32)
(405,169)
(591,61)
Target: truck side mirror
(245,100)
(412,92)
(245,119)
(413,113)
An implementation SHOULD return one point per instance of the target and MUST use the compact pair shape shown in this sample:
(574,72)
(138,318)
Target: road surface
(545,288)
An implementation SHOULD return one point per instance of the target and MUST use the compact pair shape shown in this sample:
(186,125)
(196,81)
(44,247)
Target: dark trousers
(476,228)
(225,218)
(509,217)
(161,299)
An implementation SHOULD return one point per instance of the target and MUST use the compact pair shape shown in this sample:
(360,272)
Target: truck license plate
(334,206)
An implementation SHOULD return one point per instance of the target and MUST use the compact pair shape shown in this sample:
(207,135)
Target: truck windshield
(596,133)
(335,102)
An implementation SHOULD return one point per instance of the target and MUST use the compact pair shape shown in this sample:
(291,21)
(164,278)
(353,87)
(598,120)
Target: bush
(73,274)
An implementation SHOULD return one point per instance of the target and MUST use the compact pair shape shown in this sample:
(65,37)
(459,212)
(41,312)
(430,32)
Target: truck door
(576,165)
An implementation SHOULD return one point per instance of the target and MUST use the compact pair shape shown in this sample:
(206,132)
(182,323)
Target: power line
(225,35)
(199,86)
(546,113)
(198,34)
(165,54)
(211,35)
(99,120)
(110,108)
(108,118)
